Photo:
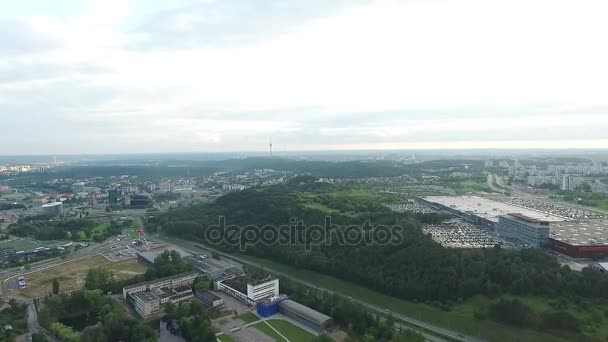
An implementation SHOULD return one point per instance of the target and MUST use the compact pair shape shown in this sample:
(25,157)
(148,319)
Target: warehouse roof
(146,296)
(487,208)
(581,233)
(150,255)
(301,310)
(207,295)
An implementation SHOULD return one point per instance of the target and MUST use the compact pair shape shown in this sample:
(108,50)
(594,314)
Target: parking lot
(546,205)
(126,246)
(457,233)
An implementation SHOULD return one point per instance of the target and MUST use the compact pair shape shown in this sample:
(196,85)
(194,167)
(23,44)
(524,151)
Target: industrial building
(581,239)
(147,304)
(208,298)
(247,290)
(213,269)
(148,257)
(172,282)
(482,211)
(52,209)
(78,187)
(282,304)
(139,201)
(305,315)
(531,232)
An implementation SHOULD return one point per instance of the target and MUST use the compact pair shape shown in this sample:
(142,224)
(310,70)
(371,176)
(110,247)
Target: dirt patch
(71,275)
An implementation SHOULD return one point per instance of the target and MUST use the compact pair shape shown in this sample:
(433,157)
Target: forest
(40,228)
(416,269)
(66,317)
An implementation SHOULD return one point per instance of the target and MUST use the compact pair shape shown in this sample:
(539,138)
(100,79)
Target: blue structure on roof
(269,306)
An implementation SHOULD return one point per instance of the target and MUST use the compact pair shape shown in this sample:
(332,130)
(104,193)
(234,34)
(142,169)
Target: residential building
(165,186)
(147,304)
(78,187)
(167,282)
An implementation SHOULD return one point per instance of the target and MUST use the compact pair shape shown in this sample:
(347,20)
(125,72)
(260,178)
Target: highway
(450,334)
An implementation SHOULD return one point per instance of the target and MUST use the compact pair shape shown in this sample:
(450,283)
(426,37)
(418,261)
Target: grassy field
(460,318)
(470,185)
(224,338)
(134,224)
(71,275)
(292,332)
(314,201)
(248,317)
(100,229)
(21,244)
(584,199)
(266,329)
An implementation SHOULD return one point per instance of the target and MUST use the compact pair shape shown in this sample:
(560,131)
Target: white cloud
(387,73)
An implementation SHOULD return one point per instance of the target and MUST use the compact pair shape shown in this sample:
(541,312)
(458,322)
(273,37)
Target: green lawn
(82,236)
(292,332)
(21,244)
(584,199)
(459,319)
(248,317)
(263,327)
(134,224)
(224,338)
(100,229)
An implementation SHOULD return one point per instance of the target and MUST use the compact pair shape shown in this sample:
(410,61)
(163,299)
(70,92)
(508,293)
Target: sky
(153,76)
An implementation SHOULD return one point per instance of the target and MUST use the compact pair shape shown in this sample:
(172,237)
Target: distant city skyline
(137,76)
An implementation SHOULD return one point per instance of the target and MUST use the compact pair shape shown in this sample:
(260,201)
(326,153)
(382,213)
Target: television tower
(270,145)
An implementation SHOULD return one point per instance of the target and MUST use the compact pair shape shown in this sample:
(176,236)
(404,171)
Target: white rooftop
(489,209)
(52,204)
(581,233)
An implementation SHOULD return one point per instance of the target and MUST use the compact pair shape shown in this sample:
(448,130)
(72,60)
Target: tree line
(417,268)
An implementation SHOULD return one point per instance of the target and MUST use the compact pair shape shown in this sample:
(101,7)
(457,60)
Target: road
(495,183)
(450,334)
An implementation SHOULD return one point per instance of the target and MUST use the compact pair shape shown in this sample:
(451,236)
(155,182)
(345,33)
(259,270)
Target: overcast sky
(125,76)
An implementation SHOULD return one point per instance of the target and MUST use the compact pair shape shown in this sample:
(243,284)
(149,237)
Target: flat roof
(182,288)
(528,219)
(489,209)
(238,283)
(153,253)
(52,204)
(581,233)
(316,316)
(208,265)
(146,296)
(177,276)
(207,295)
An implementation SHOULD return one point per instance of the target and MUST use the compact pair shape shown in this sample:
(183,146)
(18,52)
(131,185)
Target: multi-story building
(147,304)
(209,298)
(165,186)
(148,297)
(52,209)
(249,291)
(172,282)
(78,187)
(532,232)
